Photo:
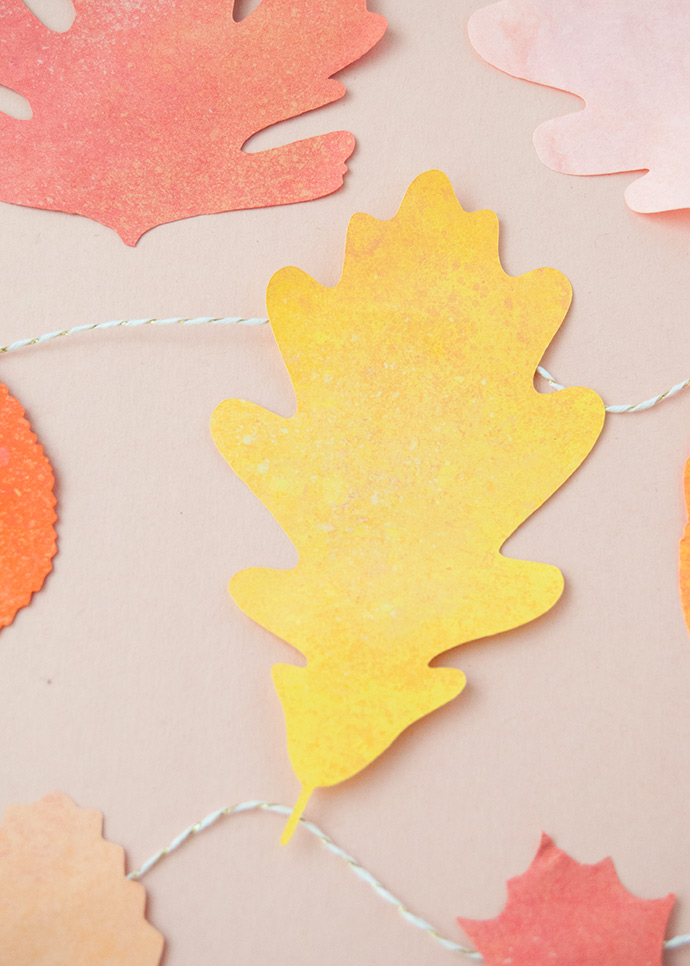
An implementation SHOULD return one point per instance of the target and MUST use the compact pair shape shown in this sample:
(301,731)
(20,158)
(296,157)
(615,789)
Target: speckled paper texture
(563,911)
(141,109)
(27,514)
(419,445)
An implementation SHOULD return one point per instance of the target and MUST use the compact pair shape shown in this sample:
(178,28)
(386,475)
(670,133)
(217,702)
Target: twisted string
(625,407)
(357,868)
(238,320)
(129,324)
(329,844)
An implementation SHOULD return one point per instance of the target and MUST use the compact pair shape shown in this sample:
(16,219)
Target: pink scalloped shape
(632,71)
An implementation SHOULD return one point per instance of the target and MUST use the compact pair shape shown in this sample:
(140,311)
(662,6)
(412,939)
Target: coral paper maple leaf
(632,70)
(141,109)
(64,897)
(562,913)
(420,444)
(27,537)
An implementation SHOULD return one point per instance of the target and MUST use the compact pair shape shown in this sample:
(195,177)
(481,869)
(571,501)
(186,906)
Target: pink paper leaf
(632,71)
(142,108)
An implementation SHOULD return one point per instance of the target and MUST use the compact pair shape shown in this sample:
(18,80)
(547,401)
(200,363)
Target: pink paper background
(135,685)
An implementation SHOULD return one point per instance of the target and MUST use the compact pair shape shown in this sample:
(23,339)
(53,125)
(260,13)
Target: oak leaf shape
(563,913)
(419,445)
(141,109)
(64,897)
(27,514)
(630,68)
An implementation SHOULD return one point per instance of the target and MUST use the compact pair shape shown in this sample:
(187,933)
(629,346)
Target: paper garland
(420,444)
(141,111)
(631,70)
(528,933)
(27,514)
(66,902)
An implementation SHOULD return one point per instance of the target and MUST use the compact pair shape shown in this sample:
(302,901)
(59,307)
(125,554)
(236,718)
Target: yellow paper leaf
(419,445)
(64,898)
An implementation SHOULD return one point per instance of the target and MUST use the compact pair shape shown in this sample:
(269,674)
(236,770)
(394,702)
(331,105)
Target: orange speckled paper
(141,109)
(27,536)
(64,898)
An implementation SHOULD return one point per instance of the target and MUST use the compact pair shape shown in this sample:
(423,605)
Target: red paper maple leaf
(141,109)
(562,913)
(27,537)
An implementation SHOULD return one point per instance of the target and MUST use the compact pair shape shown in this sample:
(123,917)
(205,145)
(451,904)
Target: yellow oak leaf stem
(297,813)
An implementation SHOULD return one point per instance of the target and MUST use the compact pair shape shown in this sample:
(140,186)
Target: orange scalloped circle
(27,514)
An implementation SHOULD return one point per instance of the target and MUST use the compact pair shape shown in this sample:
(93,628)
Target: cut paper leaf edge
(27,510)
(563,911)
(567,48)
(333,587)
(278,62)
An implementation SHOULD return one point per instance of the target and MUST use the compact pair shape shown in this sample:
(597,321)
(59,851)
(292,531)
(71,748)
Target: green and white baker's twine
(237,320)
(359,870)
(327,842)
(127,324)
